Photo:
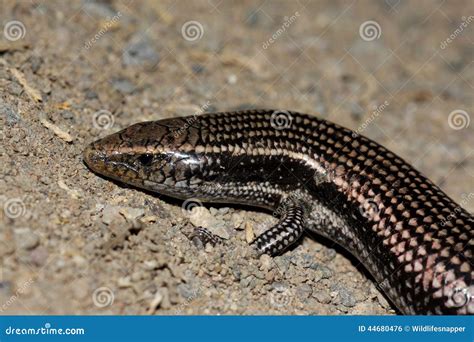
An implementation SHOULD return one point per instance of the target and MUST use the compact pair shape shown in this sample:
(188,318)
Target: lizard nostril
(92,155)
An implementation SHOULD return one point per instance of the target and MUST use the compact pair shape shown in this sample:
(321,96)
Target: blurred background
(399,72)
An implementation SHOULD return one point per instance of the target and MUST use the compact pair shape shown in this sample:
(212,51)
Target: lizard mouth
(106,164)
(94,158)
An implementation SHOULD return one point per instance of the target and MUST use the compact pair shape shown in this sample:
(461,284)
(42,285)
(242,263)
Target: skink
(318,176)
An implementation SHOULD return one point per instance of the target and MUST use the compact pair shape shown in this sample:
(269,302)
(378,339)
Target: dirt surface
(72,72)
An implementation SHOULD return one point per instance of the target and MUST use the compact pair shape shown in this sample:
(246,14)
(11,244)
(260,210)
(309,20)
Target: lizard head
(156,156)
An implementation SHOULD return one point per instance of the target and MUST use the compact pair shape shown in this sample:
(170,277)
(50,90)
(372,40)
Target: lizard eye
(145,159)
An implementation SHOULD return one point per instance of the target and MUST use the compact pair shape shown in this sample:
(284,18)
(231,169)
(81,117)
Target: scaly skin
(415,241)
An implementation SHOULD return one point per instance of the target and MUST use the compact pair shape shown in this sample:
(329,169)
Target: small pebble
(35,62)
(253,18)
(322,297)
(110,213)
(249,234)
(224,210)
(11,116)
(150,265)
(187,291)
(232,79)
(136,276)
(165,303)
(91,95)
(139,51)
(123,85)
(124,282)
(15,89)
(324,271)
(100,8)
(345,296)
(237,220)
(197,68)
(38,256)
(131,214)
(26,239)
(304,291)
(155,303)
(306,260)
(279,286)
(265,262)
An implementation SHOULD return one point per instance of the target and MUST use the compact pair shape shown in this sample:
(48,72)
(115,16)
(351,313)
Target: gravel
(26,239)
(123,85)
(140,51)
(11,116)
(73,232)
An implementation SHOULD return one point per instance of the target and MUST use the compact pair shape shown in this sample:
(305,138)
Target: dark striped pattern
(414,240)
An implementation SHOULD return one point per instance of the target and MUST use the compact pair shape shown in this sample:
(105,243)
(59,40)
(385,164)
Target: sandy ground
(72,72)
